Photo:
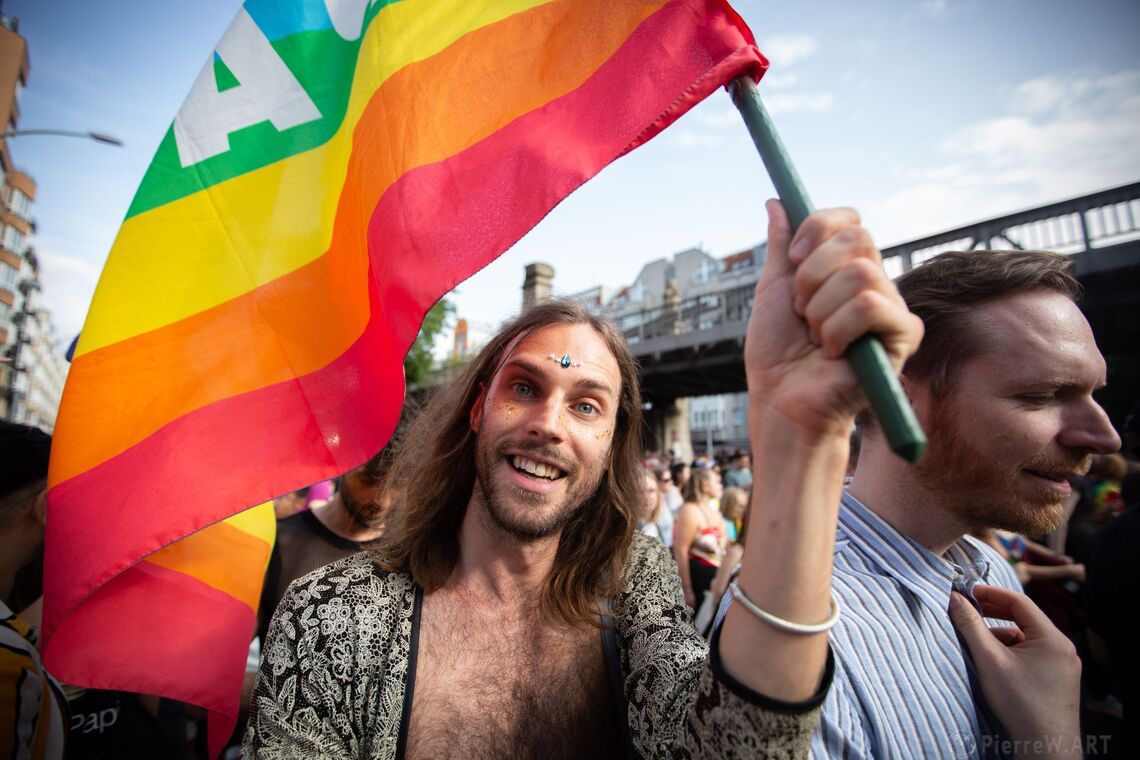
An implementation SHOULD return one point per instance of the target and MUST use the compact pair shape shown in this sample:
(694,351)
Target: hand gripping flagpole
(867,356)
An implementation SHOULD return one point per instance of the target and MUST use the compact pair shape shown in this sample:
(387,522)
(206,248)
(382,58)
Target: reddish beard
(981,491)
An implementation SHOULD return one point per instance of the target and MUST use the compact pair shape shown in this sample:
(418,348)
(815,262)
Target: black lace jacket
(335,664)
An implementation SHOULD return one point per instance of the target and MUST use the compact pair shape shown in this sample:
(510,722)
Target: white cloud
(780,80)
(1075,95)
(686,138)
(1062,136)
(933,7)
(787,102)
(783,91)
(720,118)
(787,49)
(1041,96)
(68,284)
(1078,132)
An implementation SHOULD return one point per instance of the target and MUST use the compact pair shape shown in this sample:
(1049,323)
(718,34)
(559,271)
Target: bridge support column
(662,422)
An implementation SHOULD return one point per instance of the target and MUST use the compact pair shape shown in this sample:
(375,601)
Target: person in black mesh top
(315,537)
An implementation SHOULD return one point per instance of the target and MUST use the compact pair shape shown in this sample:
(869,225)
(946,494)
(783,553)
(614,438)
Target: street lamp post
(96,136)
(13,393)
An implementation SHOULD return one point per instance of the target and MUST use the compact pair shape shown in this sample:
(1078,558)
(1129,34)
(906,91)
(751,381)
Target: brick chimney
(536,287)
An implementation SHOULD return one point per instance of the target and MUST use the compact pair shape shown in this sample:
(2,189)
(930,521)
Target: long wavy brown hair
(434,470)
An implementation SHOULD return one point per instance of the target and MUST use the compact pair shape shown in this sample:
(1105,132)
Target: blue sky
(923,114)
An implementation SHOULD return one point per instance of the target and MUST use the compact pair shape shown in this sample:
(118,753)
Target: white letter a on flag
(267,91)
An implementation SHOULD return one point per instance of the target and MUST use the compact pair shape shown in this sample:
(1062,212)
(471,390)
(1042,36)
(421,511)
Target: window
(705,272)
(20,204)
(8,276)
(13,239)
(637,292)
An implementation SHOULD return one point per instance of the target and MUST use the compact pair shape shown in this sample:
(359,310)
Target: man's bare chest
(483,690)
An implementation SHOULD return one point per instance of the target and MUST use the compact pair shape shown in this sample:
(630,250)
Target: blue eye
(586,408)
(521,389)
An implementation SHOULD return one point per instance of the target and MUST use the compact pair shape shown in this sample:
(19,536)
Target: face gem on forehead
(564,361)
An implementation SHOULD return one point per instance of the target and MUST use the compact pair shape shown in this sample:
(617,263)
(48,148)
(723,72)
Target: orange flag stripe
(209,555)
(288,328)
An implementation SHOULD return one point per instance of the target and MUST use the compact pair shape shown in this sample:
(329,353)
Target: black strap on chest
(410,683)
(611,653)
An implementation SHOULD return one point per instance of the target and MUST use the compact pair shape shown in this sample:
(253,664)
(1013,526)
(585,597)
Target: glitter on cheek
(507,411)
(578,429)
(573,426)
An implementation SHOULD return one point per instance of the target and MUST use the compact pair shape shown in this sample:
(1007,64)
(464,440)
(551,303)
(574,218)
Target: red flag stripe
(210,630)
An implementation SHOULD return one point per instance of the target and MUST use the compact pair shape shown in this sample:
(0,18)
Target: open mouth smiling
(535,469)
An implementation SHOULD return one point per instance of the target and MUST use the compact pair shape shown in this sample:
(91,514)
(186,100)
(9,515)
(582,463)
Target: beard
(986,491)
(366,514)
(526,515)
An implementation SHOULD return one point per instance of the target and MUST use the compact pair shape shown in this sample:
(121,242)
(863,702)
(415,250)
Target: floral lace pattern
(334,670)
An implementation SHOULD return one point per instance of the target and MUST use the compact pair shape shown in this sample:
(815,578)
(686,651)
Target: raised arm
(819,292)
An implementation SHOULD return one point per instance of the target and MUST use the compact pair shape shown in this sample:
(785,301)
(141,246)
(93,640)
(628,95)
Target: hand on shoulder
(1030,674)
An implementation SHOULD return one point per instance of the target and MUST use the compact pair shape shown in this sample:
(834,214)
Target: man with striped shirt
(1003,384)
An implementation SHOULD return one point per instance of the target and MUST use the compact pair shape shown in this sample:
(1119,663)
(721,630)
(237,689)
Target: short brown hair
(435,470)
(24,452)
(944,291)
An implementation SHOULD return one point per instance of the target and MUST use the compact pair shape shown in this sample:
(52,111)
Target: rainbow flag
(337,167)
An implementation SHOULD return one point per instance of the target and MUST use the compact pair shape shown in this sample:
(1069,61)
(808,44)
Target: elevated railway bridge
(693,347)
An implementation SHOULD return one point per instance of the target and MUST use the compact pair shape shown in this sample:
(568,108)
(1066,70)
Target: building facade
(691,283)
(688,287)
(32,368)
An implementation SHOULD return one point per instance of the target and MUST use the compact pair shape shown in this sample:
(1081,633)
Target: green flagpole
(867,356)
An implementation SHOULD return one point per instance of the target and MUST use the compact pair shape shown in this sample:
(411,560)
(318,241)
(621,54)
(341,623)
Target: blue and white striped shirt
(902,684)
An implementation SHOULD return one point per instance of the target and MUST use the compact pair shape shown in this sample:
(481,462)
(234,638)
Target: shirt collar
(927,574)
(15,623)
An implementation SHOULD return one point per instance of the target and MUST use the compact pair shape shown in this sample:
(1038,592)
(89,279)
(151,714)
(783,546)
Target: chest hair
(492,686)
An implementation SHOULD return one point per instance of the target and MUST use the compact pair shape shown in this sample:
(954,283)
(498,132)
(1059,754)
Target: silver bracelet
(779,622)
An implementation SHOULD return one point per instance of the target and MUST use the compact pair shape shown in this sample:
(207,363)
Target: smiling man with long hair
(512,610)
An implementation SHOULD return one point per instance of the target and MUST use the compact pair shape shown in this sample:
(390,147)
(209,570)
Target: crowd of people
(515,575)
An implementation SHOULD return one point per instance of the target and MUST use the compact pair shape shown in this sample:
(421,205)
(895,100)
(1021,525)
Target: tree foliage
(418,362)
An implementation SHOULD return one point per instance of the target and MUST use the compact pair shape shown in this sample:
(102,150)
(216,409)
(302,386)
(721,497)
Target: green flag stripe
(323,64)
